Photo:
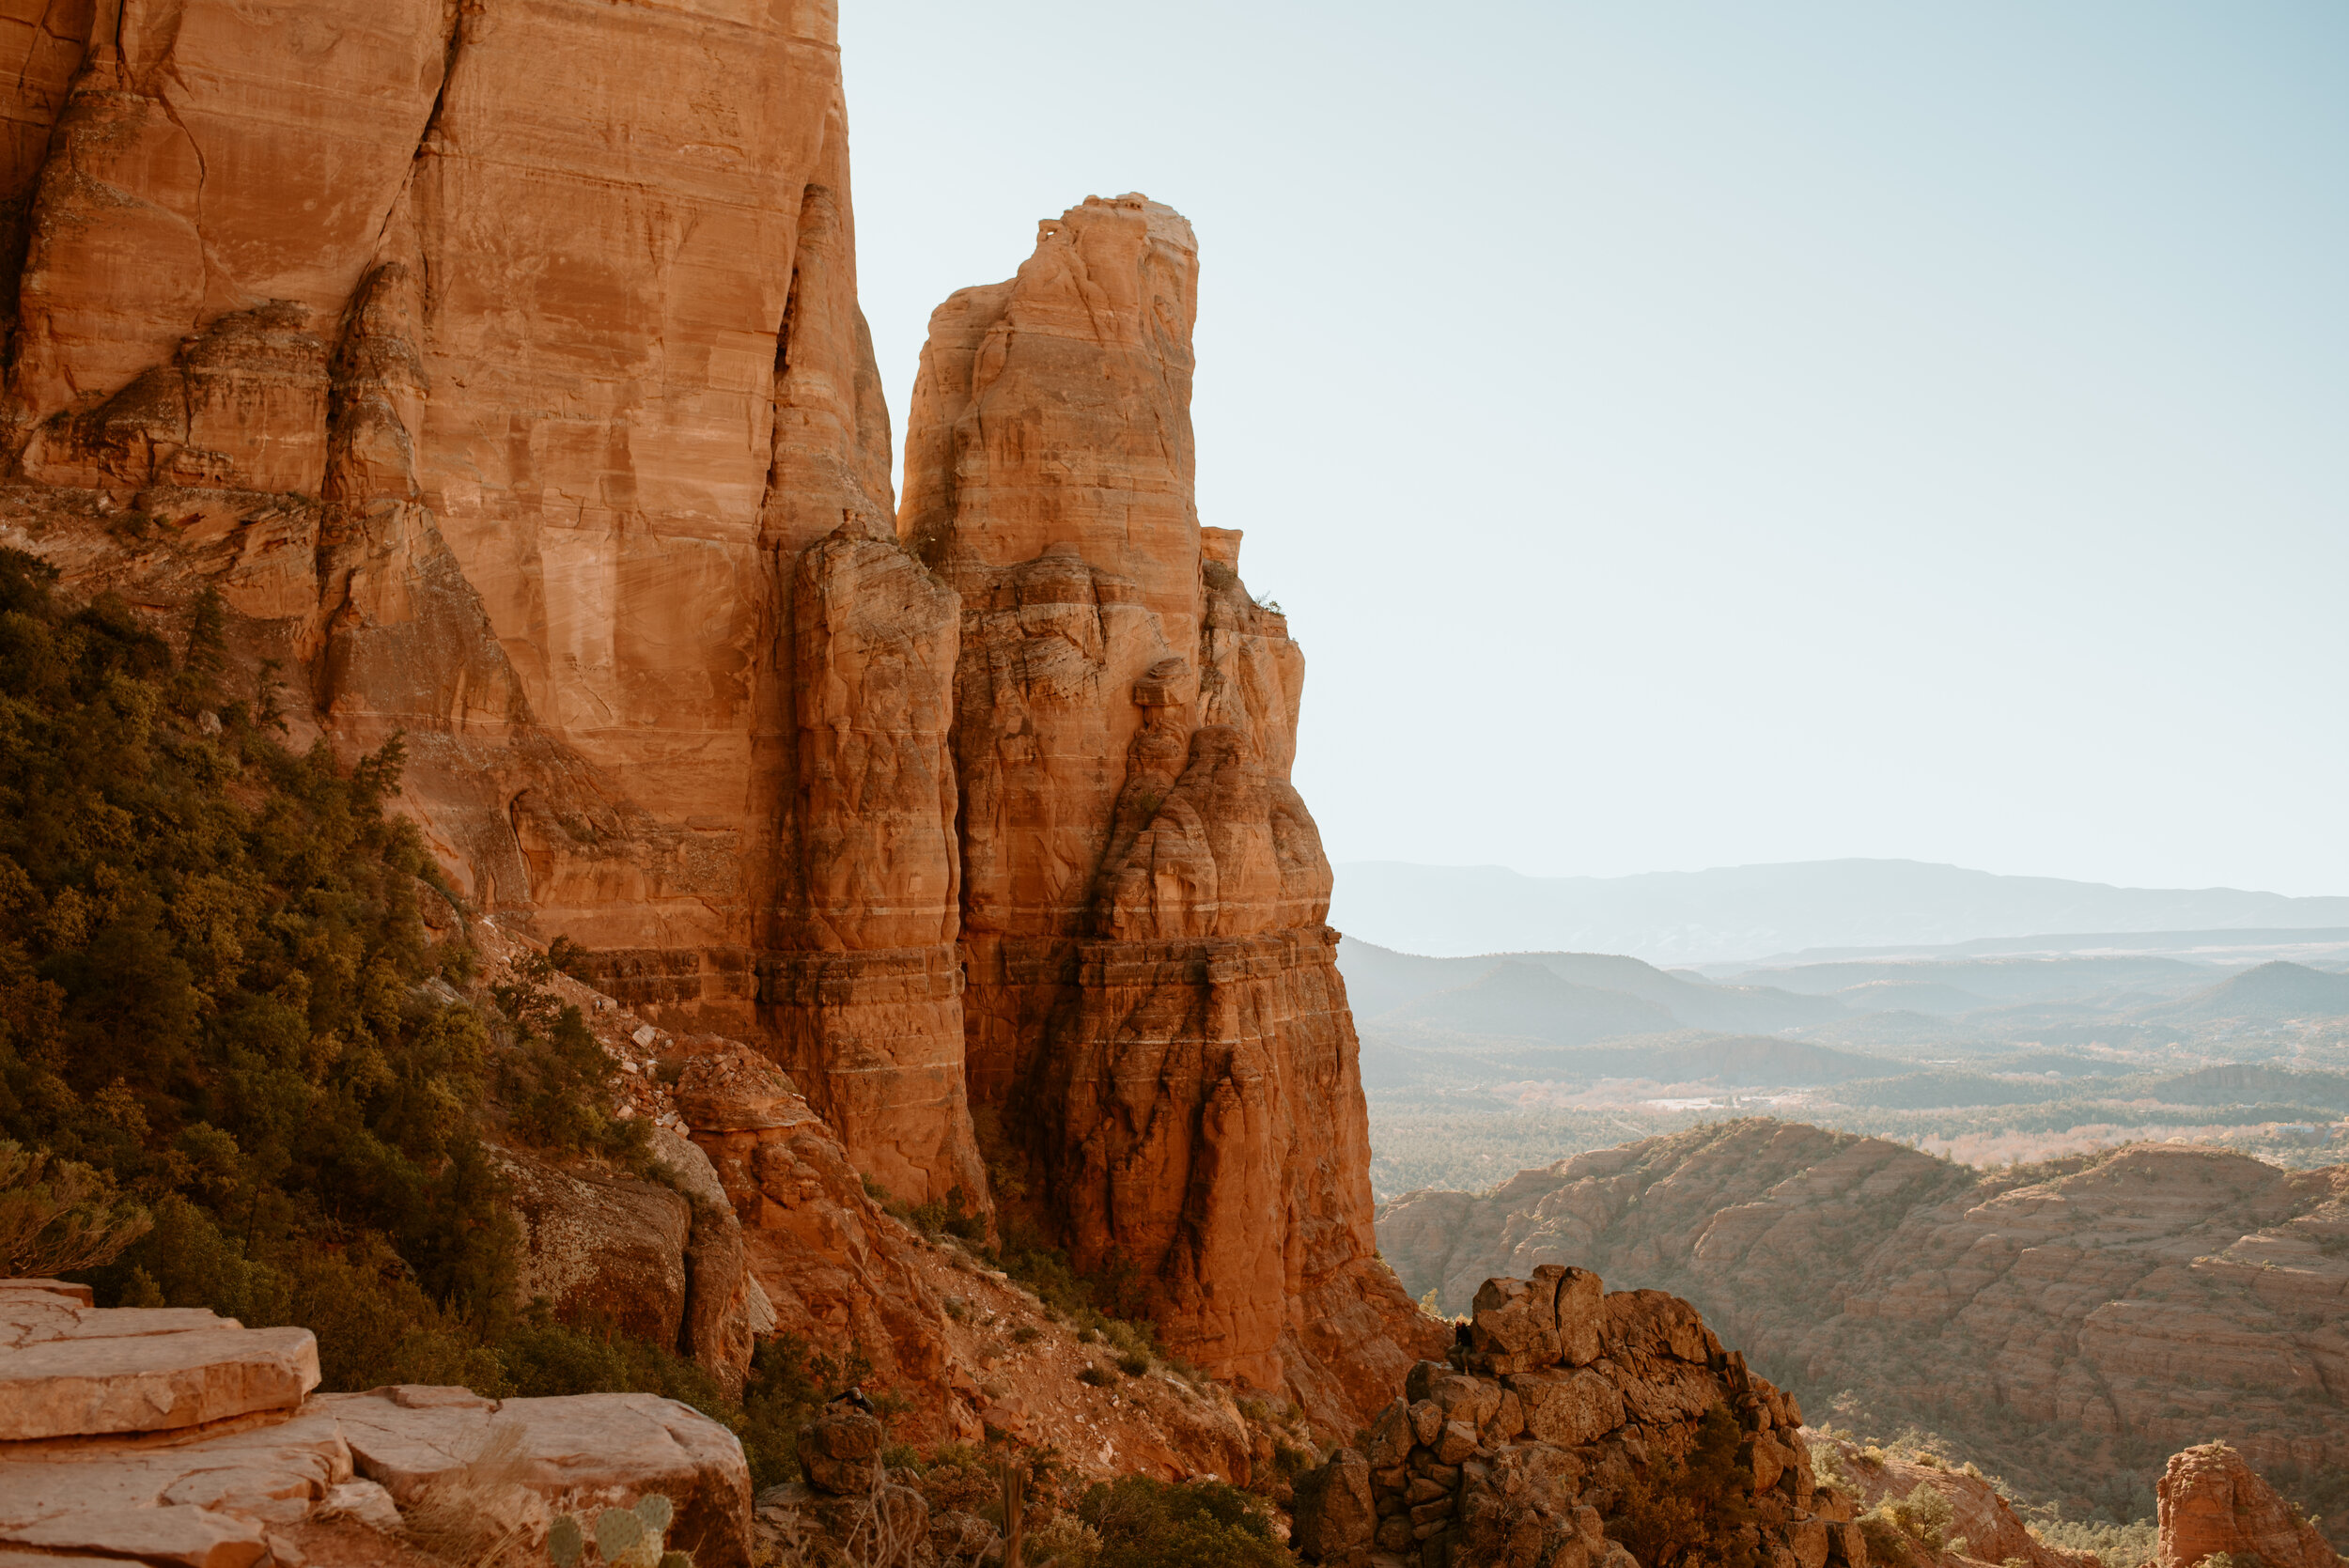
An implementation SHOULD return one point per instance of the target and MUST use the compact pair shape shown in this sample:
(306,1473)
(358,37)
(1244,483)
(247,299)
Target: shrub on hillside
(1691,1510)
(1142,1523)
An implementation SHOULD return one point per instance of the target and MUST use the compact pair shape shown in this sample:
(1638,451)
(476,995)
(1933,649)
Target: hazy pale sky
(1688,434)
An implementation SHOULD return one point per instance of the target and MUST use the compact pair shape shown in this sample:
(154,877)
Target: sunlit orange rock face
(1156,1031)
(500,366)
(2212,1504)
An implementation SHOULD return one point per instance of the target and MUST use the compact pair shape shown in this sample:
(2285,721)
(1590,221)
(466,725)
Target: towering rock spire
(1156,1028)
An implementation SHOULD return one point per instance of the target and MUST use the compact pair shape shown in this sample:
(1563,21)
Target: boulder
(840,1453)
(1513,1325)
(187,1537)
(727,1309)
(1581,1312)
(601,1252)
(1336,1520)
(574,1451)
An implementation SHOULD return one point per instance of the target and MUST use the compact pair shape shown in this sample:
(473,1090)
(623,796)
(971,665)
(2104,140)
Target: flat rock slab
(582,1449)
(273,1474)
(195,1537)
(152,1382)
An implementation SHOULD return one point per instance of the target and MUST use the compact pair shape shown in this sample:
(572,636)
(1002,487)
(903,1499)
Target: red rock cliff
(502,366)
(1156,1028)
(498,362)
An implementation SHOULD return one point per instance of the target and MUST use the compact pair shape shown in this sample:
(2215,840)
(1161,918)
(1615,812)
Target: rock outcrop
(502,371)
(2212,1504)
(177,1438)
(1563,1416)
(1983,1525)
(2067,1294)
(1156,1032)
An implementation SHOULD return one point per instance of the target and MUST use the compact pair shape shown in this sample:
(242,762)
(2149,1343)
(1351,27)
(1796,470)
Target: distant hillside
(2238,1084)
(1748,911)
(1527,1002)
(1398,1056)
(1987,979)
(1912,996)
(2271,993)
(1378,980)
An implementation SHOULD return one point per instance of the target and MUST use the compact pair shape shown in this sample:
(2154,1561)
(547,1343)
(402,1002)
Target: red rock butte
(501,367)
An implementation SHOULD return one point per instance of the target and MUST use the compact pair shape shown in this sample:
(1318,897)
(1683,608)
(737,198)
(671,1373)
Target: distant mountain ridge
(1750,912)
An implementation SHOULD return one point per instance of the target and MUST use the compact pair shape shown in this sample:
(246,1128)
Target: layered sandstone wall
(500,365)
(1157,1032)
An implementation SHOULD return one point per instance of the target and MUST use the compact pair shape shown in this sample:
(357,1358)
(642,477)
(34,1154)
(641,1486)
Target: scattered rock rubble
(181,1439)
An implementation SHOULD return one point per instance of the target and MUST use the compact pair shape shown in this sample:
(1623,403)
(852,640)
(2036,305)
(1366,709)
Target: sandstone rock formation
(784,1212)
(172,1436)
(605,1251)
(1562,1412)
(2070,1294)
(1157,1032)
(836,1271)
(502,371)
(2212,1504)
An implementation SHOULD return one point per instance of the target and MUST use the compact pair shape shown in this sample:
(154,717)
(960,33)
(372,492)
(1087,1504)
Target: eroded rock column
(1157,1032)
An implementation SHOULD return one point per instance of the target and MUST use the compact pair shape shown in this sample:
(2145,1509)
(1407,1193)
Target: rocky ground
(970,1350)
(174,1437)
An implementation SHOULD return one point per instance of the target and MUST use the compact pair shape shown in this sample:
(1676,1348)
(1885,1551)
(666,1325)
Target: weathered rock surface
(67,1369)
(840,1453)
(197,1482)
(2213,1504)
(835,1268)
(1155,1028)
(1505,1455)
(501,368)
(572,1451)
(604,1251)
(2070,1294)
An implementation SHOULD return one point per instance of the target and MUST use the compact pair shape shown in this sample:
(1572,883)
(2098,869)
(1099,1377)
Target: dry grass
(478,1516)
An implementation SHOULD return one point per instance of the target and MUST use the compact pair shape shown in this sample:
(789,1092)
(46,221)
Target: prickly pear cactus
(624,1537)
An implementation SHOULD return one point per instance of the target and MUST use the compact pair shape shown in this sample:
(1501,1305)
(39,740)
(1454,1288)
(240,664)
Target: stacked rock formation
(1559,1403)
(2066,1294)
(2214,1505)
(1156,1028)
(170,1436)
